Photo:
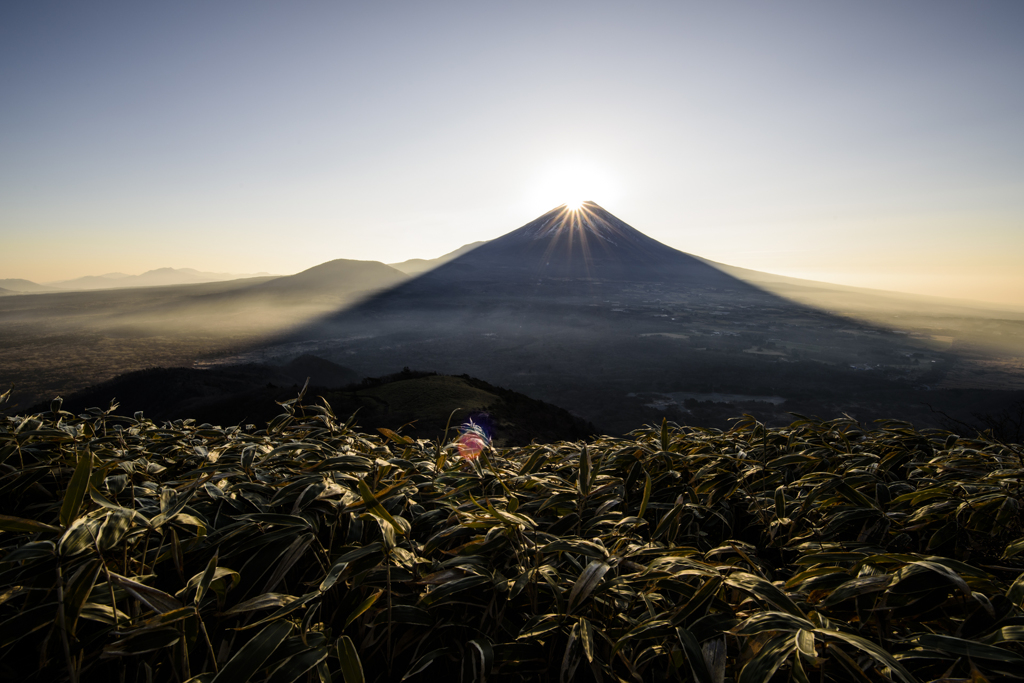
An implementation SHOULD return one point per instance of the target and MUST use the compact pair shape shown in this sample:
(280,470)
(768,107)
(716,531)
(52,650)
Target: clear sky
(875,143)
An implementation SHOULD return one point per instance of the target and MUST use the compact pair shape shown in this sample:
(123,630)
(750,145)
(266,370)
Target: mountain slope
(418,266)
(340,276)
(586,244)
(19,286)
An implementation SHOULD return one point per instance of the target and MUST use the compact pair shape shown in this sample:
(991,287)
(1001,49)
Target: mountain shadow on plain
(582,310)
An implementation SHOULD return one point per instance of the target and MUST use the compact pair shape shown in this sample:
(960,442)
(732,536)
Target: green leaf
(362,607)
(78,589)
(293,668)
(587,636)
(444,593)
(206,579)
(264,601)
(351,667)
(77,487)
(769,658)
(872,649)
(647,496)
(145,641)
(153,598)
(248,660)
(1015,592)
(423,662)
(373,504)
(771,621)
(1013,548)
(855,587)
(968,648)
(697,604)
(282,612)
(694,656)
(764,590)
(482,649)
(587,582)
(31,526)
(114,528)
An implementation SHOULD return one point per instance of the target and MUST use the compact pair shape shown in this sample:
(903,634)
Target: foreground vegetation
(822,551)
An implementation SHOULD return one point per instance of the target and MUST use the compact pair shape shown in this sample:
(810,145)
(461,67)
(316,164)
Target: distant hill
(332,278)
(425,402)
(151,278)
(416,266)
(18,286)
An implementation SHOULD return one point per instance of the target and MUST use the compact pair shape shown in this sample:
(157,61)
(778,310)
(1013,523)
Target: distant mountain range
(151,278)
(160,277)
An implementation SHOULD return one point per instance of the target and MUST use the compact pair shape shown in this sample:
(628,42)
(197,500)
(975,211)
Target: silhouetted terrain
(424,402)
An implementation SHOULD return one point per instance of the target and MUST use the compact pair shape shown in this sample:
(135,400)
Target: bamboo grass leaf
(694,656)
(263,601)
(30,526)
(588,581)
(242,667)
(362,607)
(647,496)
(374,505)
(77,488)
(293,668)
(154,598)
(871,649)
(206,579)
(764,590)
(351,667)
(769,658)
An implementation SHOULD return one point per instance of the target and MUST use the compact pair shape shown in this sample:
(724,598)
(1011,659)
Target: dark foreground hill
(423,404)
(826,552)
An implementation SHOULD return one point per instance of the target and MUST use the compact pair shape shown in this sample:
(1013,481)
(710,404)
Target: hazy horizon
(872,145)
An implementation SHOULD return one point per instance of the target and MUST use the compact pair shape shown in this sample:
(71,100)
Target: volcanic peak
(589,220)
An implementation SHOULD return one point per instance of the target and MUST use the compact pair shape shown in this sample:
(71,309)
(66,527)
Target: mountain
(151,278)
(340,277)
(587,243)
(580,309)
(418,266)
(18,286)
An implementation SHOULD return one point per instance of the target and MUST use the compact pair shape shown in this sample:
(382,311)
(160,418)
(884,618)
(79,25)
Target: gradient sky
(878,143)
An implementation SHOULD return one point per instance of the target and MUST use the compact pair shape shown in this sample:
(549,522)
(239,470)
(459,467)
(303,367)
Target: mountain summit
(587,243)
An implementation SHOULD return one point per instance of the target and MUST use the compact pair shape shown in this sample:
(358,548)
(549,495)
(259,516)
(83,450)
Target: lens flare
(473,439)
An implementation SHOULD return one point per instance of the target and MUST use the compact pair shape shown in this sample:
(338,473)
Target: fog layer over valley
(577,309)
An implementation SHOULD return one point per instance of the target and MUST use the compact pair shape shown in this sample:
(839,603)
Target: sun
(571,182)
